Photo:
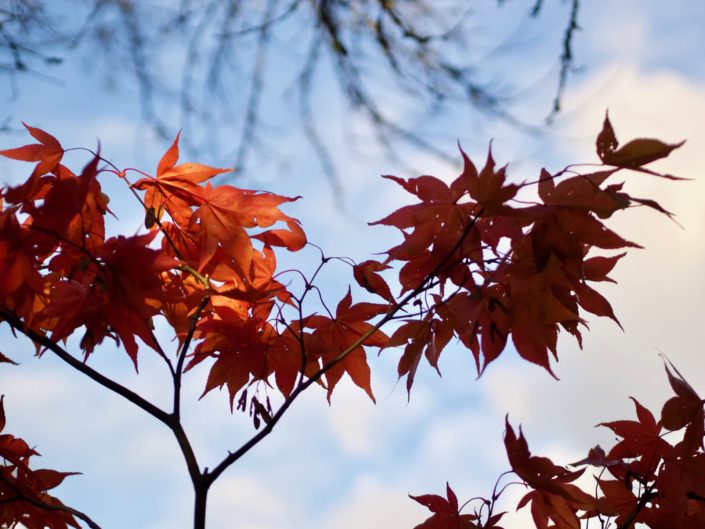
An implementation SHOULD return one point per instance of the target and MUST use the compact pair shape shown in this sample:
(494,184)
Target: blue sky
(352,464)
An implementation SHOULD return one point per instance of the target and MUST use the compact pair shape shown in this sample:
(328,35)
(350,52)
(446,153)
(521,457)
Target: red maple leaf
(176,187)
(23,490)
(48,152)
(488,187)
(442,229)
(446,512)
(18,259)
(427,337)
(117,295)
(337,335)
(685,409)
(640,441)
(634,154)
(239,345)
(367,276)
(554,497)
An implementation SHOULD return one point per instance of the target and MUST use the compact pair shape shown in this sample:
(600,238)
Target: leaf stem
(178,372)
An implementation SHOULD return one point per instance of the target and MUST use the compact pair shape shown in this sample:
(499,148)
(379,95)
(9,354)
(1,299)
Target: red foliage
(446,512)
(475,265)
(23,491)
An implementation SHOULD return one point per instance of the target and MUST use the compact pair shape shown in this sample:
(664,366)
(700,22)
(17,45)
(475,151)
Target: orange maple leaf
(339,334)
(226,211)
(175,188)
(48,152)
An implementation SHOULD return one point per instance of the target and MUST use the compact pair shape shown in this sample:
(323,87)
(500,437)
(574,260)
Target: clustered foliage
(642,479)
(23,491)
(476,265)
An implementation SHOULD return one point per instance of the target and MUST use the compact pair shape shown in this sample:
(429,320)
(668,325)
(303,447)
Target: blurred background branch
(224,64)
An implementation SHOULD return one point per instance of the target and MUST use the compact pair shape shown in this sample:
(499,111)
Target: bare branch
(201,56)
(248,135)
(91,373)
(566,56)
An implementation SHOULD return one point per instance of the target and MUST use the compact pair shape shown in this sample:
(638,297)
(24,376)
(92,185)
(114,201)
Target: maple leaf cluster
(643,479)
(479,266)
(491,267)
(60,272)
(207,265)
(476,265)
(23,491)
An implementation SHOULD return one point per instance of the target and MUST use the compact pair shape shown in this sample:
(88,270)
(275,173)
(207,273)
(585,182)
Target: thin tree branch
(161,353)
(139,62)
(265,24)
(91,373)
(310,130)
(186,450)
(170,420)
(182,356)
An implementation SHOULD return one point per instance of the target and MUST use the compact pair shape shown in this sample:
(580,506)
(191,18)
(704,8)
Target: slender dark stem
(566,56)
(182,357)
(250,126)
(643,500)
(186,449)
(161,353)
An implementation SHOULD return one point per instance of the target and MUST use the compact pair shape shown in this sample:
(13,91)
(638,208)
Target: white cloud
(624,38)
(369,503)
(250,502)
(354,421)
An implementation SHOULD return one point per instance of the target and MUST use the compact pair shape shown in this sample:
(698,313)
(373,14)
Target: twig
(249,129)
(566,56)
(182,356)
